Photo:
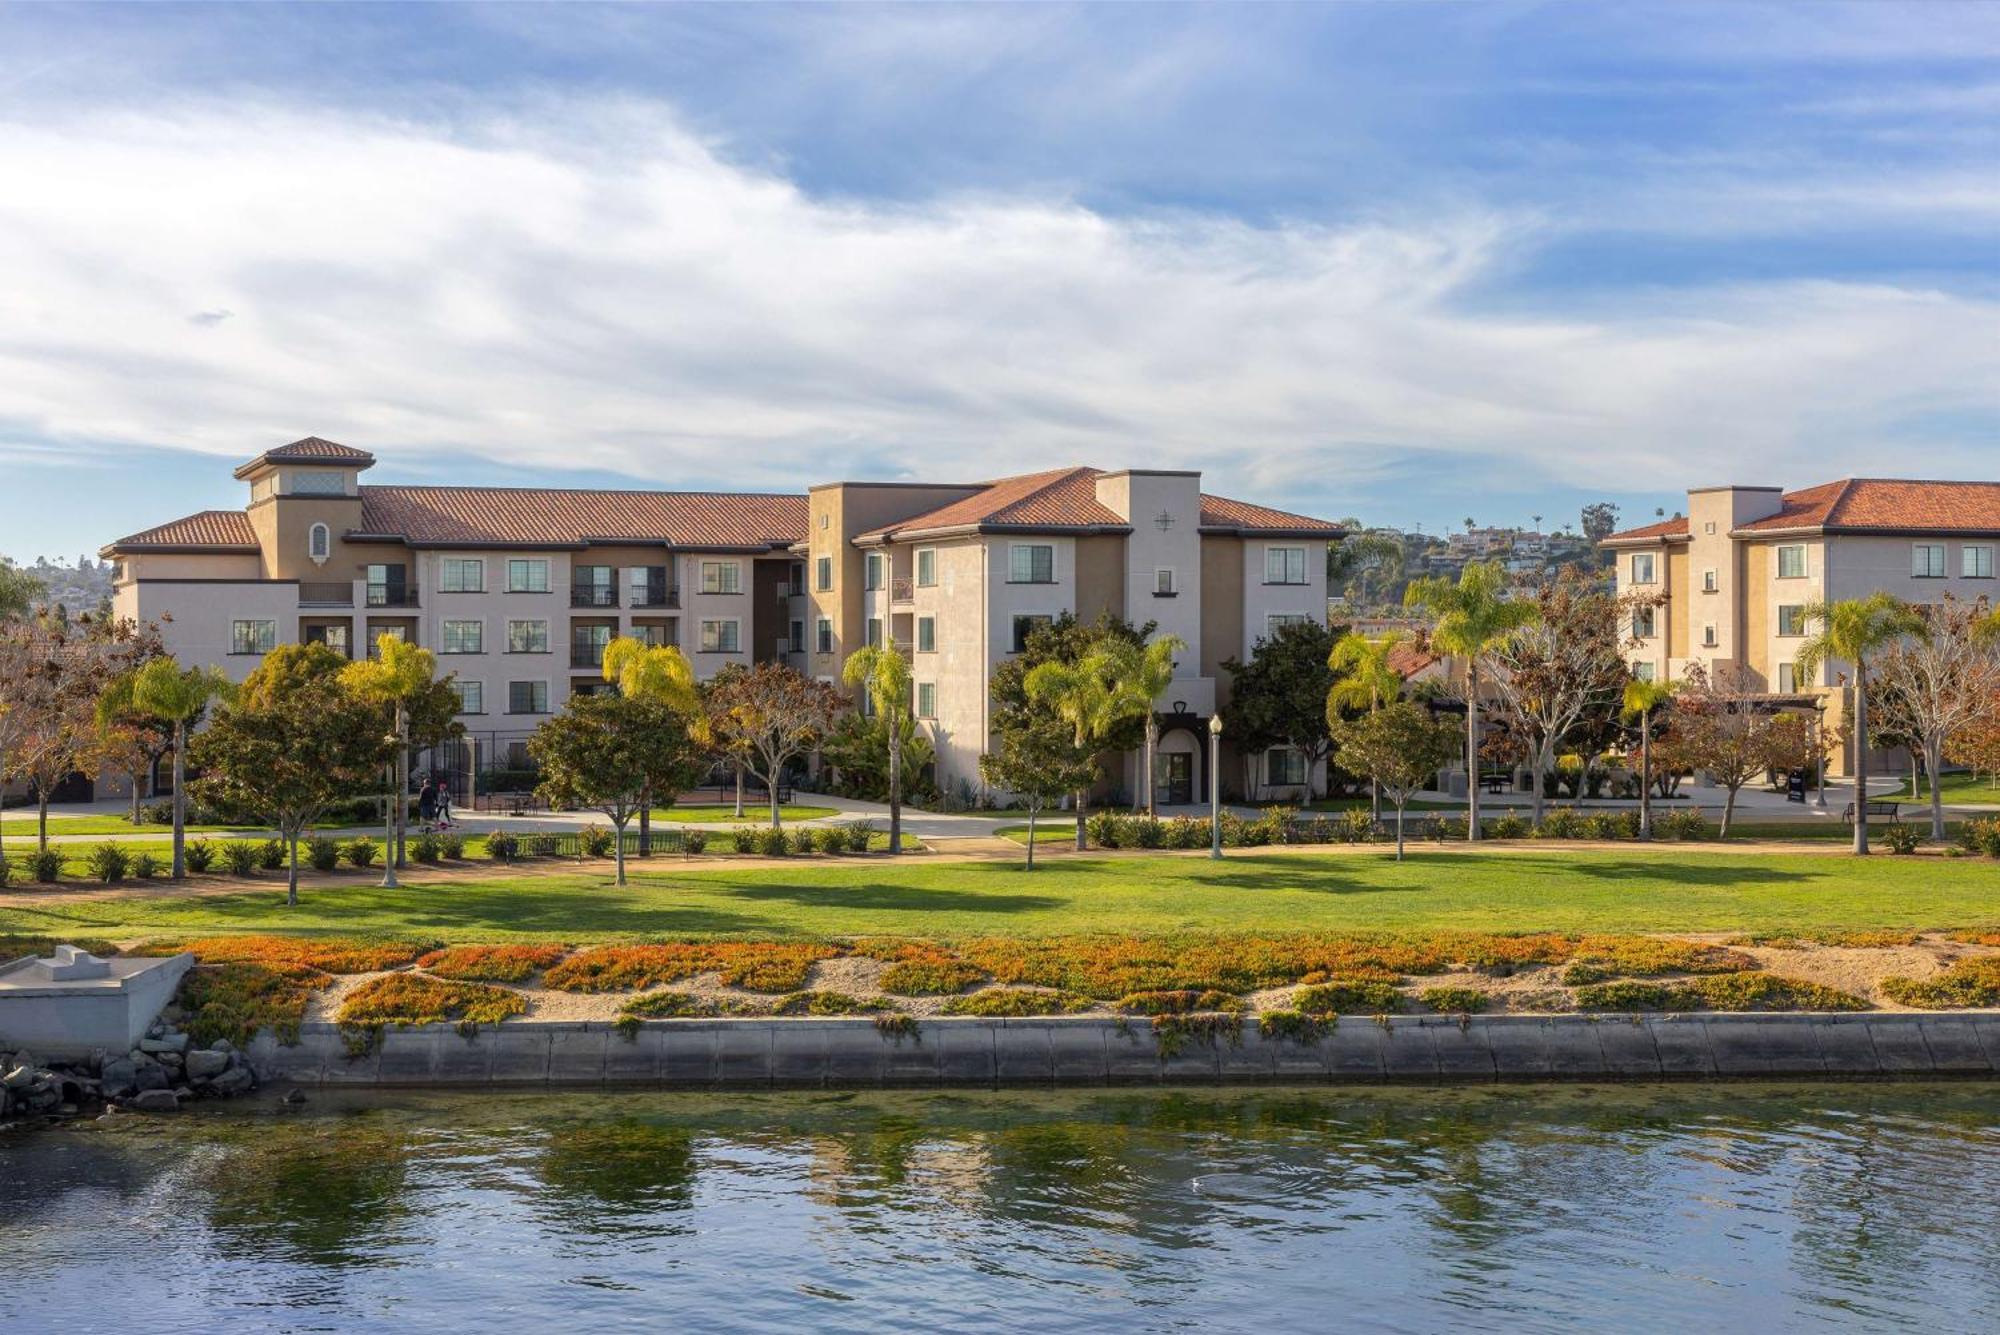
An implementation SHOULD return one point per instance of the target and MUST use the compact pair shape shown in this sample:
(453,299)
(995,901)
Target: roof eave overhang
(1652,541)
(1249,531)
(264,461)
(179,549)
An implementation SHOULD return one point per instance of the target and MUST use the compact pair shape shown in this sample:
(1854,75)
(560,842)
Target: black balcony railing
(586,655)
(593,595)
(326,595)
(656,598)
(391,595)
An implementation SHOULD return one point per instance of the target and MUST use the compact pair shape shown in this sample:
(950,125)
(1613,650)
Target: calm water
(1829,1207)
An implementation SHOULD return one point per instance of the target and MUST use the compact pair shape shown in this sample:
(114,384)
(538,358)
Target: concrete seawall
(802,1053)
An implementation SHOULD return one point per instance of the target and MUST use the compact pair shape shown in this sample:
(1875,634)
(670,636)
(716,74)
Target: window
(871,571)
(1792,562)
(527,637)
(926,635)
(1788,678)
(593,586)
(875,632)
(825,520)
(1026,626)
(1277,621)
(1031,563)
(1976,562)
(648,586)
(527,697)
(1284,767)
(1708,637)
(1284,565)
(653,637)
(720,636)
(926,567)
(377,634)
(721,577)
(1642,567)
(1644,626)
(528,576)
(1927,560)
(1163,583)
(388,586)
(1642,672)
(253,637)
(333,637)
(823,574)
(587,645)
(796,641)
(462,574)
(471,696)
(1708,581)
(319,543)
(318,482)
(463,637)
(926,699)
(1791,619)
(823,634)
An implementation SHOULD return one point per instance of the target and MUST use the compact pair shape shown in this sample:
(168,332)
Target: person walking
(444,802)
(427,803)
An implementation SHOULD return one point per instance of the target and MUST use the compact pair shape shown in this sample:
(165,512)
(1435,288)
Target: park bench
(1877,807)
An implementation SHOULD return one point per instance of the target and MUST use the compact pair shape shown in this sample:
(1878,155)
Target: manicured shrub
(1355,826)
(1614,825)
(1444,829)
(1511,825)
(323,853)
(1104,828)
(200,856)
(1014,1002)
(1684,823)
(108,863)
(774,842)
(1563,823)
(271,855)
(452,845)
(1348,997)
(1902,838)
(145,866)
(1453,1000)
(829,839)
(859,833)
(1981,835)
(694,841)
(424,848)
(804,842)
(743,839)
(360,852)
(1148,832)
(158,813)
(502,846)
(596,841)
(1187,832)
(240,856)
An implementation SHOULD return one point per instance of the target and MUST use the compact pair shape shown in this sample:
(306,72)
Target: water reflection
(1867,1206)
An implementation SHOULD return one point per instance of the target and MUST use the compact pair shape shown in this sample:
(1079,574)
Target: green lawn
(753,813)
(1651,889)
(19,825)
(1965,789)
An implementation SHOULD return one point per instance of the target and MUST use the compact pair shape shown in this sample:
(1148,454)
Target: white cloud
(597,288)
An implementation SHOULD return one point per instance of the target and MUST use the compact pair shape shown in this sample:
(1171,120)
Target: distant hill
(80,587)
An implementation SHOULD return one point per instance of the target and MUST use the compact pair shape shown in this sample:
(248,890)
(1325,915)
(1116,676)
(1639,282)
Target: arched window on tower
(319,543)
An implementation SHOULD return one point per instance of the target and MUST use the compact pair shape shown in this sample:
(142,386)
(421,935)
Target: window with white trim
(253,636)
(822,574)
(795,640)
(1277,621)
(823,635)
(1024,626)
(1791,620)
(1927,560)
(1284,767)
(528,575)
(926,699)
(1644,624)
(319,542)
(1642,568)
(874,632)
(1163,583)
(1284,565)
(721,577)
(721,636)
(463,637)
(1031,563)
(462,574)
(527,637)
(1787,678)
(926,567)
(1975,562)
(318,482)
(471,696)
(926,635)
(1708,640)
(1642,672)
(1708,581)
(871,571)
(1792,561)
(527,697)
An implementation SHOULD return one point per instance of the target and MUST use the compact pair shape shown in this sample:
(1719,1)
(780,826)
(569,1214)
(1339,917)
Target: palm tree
(1471,619)
(1366,681)
(1853,629)
(1642,698)
(884,673)
(177,695)
(1139,676)
(1084,695)
(396,676)
(657,672)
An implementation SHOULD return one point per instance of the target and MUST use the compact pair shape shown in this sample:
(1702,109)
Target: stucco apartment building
(518,590)
(1736,572)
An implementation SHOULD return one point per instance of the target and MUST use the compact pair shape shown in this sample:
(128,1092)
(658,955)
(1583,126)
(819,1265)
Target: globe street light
(1215,786)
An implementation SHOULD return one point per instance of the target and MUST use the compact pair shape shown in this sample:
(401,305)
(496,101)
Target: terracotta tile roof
(310,450)
(1221,512)
(539,516)
(1875,505)
(1406,659)
(209,530)
(1677,527)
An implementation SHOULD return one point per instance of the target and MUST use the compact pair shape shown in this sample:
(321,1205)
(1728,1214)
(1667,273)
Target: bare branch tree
(1932,685)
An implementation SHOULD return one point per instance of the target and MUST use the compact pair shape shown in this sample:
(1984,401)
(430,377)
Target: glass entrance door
(1176,779)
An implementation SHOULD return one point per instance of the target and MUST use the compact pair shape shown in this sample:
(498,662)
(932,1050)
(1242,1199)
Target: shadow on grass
(908,898)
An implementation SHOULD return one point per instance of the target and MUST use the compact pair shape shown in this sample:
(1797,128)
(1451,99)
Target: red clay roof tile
(539,516)
(208,529)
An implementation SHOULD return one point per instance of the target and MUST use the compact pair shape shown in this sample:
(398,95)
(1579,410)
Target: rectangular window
(926,699)
(318,482)
(253,637)
(1927,560)
(1708,584)
(1643,626)
(527,697)
(1708,637)
(823,634)
(871,571)
(1642,672)
(1976,562)
(1788,678)
(333,637)
(587,644)
(527,637)
(1284,767)
(926,567)
(528,576)
(875,632)
(1277,621)
(376,634)
(719,637)
(1284,565)
(648,586)
(462,575)
(387,586)
(1163,583)
(593,586)
(1792,562)
(823,573)
(926,635)
(1791,619)
(796,640)
(1026,626)
(1031,563)
(653,636)
(463,637)
(721,577)
(471,696)
(1642,567)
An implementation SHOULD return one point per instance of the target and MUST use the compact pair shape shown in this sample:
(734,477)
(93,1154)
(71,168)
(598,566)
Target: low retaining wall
(795,1053)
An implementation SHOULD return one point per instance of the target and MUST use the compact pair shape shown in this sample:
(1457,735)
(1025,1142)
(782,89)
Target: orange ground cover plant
(761,966)
(411,999)
(491,964)
(328,954)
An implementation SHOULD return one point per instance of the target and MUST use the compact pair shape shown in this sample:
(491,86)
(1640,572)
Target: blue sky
(1410,262)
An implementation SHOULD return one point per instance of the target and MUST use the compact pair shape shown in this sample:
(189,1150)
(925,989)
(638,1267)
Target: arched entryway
(1180,759)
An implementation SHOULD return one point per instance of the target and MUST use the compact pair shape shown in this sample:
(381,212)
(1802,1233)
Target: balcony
(902,589)
(326,595)
(593,595)
(390,595)
(642,598)
(586,655)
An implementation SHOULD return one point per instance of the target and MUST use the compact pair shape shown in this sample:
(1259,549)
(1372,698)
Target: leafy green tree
(858,747)
(164,690)
(1366,565)
(661,673)
(1401,748)
(18,590)
(1086,695)
(1139,675)
(1642,700)
(1470,620)
(402,679)
(613,753)
(1038,764)
(1855,629)
(293,741)
(883,672)
(769,715)
(1279,697)
(1363,681)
